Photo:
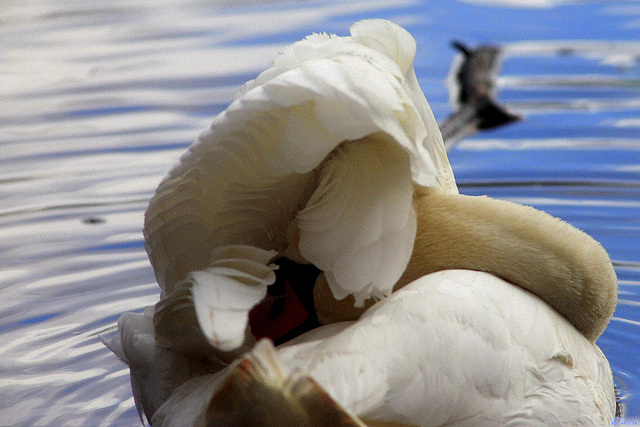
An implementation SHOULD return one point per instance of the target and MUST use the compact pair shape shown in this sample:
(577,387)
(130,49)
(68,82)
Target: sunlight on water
(101,98)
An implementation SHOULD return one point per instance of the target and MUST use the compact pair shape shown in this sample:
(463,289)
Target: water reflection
(102,98)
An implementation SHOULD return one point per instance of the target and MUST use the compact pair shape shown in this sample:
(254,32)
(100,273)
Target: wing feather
(246,178)
(360,224)
(221,295)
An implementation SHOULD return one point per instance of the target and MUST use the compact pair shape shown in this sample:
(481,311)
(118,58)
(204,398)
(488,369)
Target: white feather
(223,294)
(455,348)
(261,167)
(155,371)
(461,348)
(359,225)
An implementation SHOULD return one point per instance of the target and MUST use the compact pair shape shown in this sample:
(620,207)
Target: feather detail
(463,348)
(255,390)
(155,371)
(258,388)
(246,179)
(224,293)
(387,38)
(359,225)
(221,296)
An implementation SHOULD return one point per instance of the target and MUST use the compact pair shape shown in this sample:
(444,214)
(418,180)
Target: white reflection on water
(537,4)
(607,52)
(635,123)
(101,98)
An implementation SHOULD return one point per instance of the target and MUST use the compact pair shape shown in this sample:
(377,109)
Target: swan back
(456,348)
(463,348)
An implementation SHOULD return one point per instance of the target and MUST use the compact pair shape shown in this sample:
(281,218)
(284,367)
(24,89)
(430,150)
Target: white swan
(316,160)
(333,157)
(456,347)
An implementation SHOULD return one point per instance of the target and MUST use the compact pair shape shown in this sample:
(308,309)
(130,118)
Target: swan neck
(529,248)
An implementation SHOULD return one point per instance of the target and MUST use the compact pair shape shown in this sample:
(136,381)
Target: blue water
(99,99)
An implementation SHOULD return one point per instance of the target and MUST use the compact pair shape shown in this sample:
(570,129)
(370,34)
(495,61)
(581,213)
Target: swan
(287,171)
(454,348)
(436,308)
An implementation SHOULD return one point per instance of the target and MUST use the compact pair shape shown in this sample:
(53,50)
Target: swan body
(332,157)
(455,347)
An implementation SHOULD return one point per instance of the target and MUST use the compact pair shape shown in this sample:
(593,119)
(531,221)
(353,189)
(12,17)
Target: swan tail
(258,390)
(215,301)
(131,343)
(134,342)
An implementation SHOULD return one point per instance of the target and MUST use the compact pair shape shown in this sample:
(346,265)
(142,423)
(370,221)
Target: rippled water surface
(100,98)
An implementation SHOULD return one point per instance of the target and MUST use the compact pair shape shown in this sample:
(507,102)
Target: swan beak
(257,392)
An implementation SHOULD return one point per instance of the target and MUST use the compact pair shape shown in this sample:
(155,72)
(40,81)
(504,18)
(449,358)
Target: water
(100,98)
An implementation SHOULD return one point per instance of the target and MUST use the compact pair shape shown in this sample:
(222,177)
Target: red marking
(293,315)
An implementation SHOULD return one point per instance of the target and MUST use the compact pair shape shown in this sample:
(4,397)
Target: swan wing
(460,348)
(246,179)
(359,225)
(434,169)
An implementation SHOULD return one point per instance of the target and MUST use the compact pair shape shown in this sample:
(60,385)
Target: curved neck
(527,247)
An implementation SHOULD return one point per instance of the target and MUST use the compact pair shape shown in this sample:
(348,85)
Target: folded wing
(282,153)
